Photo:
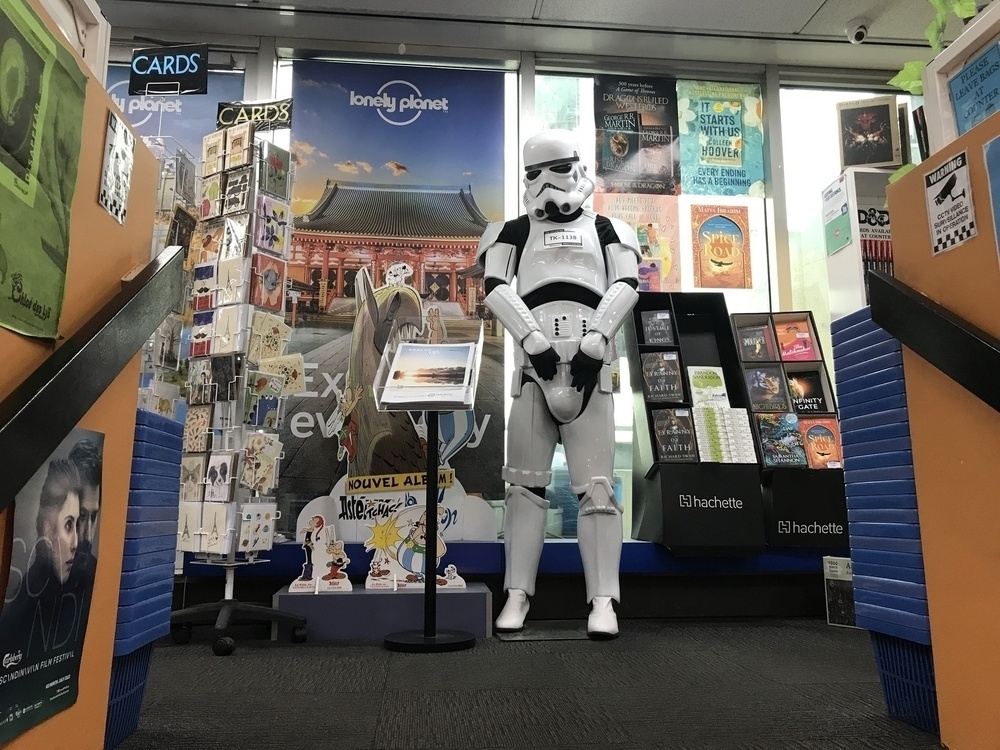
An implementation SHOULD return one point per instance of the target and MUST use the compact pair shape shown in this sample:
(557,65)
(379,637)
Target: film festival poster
(721,138)
(41,119)
(655,219)
(363,137)
(637,146)
(50,585)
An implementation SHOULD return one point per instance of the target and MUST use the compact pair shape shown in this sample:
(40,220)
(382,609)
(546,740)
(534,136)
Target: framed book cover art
(239,145)
(674,432)
(267,282)
(657,329)
(821,440)
(756,343)
(869,133)
(275,164)
(795,339)
(720,244)
(661,377)
(767,389)
(238,190)
(806,390)
(780,440)
(271,227)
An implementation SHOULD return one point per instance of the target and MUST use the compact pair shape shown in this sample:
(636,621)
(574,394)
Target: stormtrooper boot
(599,531)
(524,534)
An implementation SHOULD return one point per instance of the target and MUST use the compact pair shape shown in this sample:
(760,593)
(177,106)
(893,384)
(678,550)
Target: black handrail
(968,355)
(40,412)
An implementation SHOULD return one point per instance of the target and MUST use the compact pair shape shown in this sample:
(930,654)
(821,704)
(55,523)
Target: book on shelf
(795,340)
(708,385)
(756,343)
(767,388)
(806,390)
(780,441)
(674,432)
(821,440)
(661,377)
(723,435)
(656,328)
(431,376)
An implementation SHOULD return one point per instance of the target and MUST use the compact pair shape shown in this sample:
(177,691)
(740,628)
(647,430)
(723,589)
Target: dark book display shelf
(685,496)
(796,428)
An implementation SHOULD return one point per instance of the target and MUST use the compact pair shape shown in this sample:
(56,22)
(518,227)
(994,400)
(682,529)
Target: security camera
(857,30)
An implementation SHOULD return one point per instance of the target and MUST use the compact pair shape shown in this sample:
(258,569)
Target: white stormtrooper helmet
(554,179)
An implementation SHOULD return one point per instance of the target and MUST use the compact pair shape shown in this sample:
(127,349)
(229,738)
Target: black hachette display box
(711,509)
(805,507)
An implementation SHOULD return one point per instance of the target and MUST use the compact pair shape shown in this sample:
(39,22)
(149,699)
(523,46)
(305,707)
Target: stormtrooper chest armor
(568,253)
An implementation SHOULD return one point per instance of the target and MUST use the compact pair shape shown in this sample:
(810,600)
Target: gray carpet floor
(662,685)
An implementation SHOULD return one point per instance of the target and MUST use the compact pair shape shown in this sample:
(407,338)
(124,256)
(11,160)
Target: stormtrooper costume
(576,277)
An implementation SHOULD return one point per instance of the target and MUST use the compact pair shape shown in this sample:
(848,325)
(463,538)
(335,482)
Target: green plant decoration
(909,78)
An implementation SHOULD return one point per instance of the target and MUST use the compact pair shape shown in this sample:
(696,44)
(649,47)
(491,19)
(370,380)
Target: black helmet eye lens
(533,174)
(562,168)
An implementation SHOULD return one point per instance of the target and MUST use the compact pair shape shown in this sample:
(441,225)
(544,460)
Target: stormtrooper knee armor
(576,274)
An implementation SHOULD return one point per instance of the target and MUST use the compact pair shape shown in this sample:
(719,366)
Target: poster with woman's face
(43,619)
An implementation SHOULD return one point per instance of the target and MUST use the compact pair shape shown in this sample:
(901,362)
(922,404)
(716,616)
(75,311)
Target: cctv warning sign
(950,212)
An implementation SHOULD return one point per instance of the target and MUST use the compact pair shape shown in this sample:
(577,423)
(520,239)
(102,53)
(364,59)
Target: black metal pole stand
(430,640)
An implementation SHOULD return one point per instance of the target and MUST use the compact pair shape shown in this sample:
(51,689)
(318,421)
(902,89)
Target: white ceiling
(792,32)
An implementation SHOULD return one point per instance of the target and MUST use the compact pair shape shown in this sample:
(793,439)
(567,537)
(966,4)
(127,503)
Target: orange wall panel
(101,252)
(956,439)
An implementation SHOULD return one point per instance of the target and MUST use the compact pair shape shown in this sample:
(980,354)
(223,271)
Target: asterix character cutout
(326,563)
(577,274)
(400,546)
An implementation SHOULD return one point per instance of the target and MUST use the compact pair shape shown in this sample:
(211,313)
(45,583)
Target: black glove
(585,370)
(545,363)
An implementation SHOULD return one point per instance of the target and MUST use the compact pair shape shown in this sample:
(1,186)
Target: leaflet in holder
(415,375)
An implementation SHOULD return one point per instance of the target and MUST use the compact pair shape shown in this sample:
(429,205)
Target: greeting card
(259,469)
(274,166)
(233,281)
(200,389)
(238,190)
(267,282)
(212,237)
(272,230)
(219,477)
(210,199)
(232,327)
(292,367)
(234,243)
(212,147)
(189,526)
(202,328)
(192,474)
(196,428)
(239,145)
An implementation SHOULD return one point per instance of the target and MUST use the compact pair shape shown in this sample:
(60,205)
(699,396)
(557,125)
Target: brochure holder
(431,392)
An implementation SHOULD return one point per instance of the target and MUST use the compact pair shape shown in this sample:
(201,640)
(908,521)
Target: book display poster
(655,219)
(46,606)
(419,131)
(637,147)
(875,234)
(836,216)
(116,174)
(821,440)
(869,133)
(721,138)
(720,246)
(41,118)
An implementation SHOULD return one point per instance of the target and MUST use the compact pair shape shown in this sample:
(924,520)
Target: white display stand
(865,188)
(430,639)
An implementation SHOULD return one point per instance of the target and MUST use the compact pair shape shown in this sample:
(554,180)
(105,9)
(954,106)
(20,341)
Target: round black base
(415,642)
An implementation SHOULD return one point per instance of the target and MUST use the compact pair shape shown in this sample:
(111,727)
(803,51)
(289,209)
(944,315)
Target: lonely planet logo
(398,102)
